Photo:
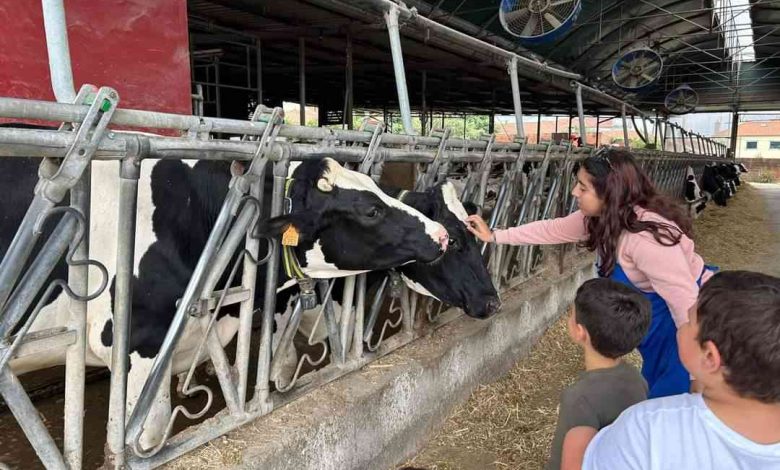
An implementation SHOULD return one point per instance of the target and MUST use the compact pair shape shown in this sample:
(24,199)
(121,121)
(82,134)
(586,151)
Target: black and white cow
(460,278)
(346,225)
(695,197)
(714,185)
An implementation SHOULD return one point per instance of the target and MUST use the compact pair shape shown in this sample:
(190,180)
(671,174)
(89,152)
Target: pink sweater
(670,271)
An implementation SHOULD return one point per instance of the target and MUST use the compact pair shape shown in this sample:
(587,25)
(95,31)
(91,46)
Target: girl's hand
(478,227)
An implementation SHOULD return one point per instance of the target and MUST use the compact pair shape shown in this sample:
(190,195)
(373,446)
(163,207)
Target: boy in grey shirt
(608,321)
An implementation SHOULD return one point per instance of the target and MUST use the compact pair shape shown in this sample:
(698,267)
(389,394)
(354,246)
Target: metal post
(25,412)
(581,114)
(76,354)
(539,127)
(391,18)
(217,89)
(674,141)
(625,125)
(262,390)
(516,97)
(598,124)
(302,78)
(734,134)
(644,126)
(59,52)
(350,84)
(259,73)
(491,123)
(128,199)
(248,282)
(424,107)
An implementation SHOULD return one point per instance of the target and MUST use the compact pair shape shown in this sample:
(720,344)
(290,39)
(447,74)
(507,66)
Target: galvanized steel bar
(27,415)
(391,19)
(129,173)
(78,280)
(516,100)
(59,52)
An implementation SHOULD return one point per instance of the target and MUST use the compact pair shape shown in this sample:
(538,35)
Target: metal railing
(514,183)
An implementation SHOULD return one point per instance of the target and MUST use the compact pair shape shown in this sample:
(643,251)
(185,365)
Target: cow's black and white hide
(714,185)
(459,279)
(346,224)
(695,197)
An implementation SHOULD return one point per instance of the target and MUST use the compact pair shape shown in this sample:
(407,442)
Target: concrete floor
(771,193)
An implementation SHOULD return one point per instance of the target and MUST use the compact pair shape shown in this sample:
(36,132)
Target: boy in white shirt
(732,347)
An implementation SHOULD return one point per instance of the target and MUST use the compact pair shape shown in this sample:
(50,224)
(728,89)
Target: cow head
(346,224)
(460,278)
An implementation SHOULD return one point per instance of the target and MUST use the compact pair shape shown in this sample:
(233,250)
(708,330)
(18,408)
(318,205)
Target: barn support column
(350,87)
(644,127)
(391,18)
(259,54)
(734,135)
(539,127)
(581,114)
(423,113)
(683,137)
(302,78)
(492,123)
(217,88)
(130,170)
(512,66)
(59,51)
(625,125)
(598,124)
(674,141)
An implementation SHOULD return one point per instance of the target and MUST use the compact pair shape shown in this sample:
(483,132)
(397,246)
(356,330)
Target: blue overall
(661,366)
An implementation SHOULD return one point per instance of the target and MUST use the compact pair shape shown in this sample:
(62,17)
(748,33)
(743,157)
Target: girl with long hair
(642,238)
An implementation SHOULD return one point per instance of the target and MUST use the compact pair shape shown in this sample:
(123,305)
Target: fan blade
(622,74)
(511,16)
(632,82)
(552,20)
(530,26)
(647,77)
(560,2)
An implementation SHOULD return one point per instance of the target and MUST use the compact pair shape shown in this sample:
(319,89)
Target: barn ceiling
(686,34)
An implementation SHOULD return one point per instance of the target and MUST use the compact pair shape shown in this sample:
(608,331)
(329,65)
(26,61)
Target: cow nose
(493,306)
(444,239)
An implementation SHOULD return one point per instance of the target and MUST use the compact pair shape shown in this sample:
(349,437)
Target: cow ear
(471,208)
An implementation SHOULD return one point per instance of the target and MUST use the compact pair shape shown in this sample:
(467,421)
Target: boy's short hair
(616,316)
(739,311)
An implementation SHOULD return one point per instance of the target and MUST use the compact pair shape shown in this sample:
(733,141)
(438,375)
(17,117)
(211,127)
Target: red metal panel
(138,47)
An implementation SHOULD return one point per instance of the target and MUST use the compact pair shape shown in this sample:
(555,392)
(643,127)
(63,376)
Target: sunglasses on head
(602,155)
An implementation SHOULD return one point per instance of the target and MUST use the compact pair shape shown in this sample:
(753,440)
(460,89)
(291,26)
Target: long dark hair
(623,185)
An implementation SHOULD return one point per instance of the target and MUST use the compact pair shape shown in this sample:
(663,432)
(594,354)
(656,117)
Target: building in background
(757,139)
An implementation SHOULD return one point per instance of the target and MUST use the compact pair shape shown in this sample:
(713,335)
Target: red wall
(138,47)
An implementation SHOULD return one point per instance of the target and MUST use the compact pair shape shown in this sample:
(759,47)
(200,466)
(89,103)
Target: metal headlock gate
(514,183)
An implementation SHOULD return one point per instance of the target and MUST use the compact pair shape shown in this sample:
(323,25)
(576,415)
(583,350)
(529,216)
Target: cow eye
(453,243)
(373,212)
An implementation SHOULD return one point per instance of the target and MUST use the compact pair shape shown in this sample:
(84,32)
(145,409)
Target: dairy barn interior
(148,314)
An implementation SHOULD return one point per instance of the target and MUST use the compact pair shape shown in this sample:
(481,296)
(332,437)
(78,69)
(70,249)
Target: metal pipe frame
(391,19)
(537,200)
(59,52)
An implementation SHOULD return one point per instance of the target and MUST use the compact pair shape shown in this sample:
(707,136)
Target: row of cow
(719,182)
(345,225)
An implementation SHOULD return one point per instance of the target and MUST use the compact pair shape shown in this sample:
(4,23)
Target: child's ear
(711,360)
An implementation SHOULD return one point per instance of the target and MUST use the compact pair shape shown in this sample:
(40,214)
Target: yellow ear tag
(290,236)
